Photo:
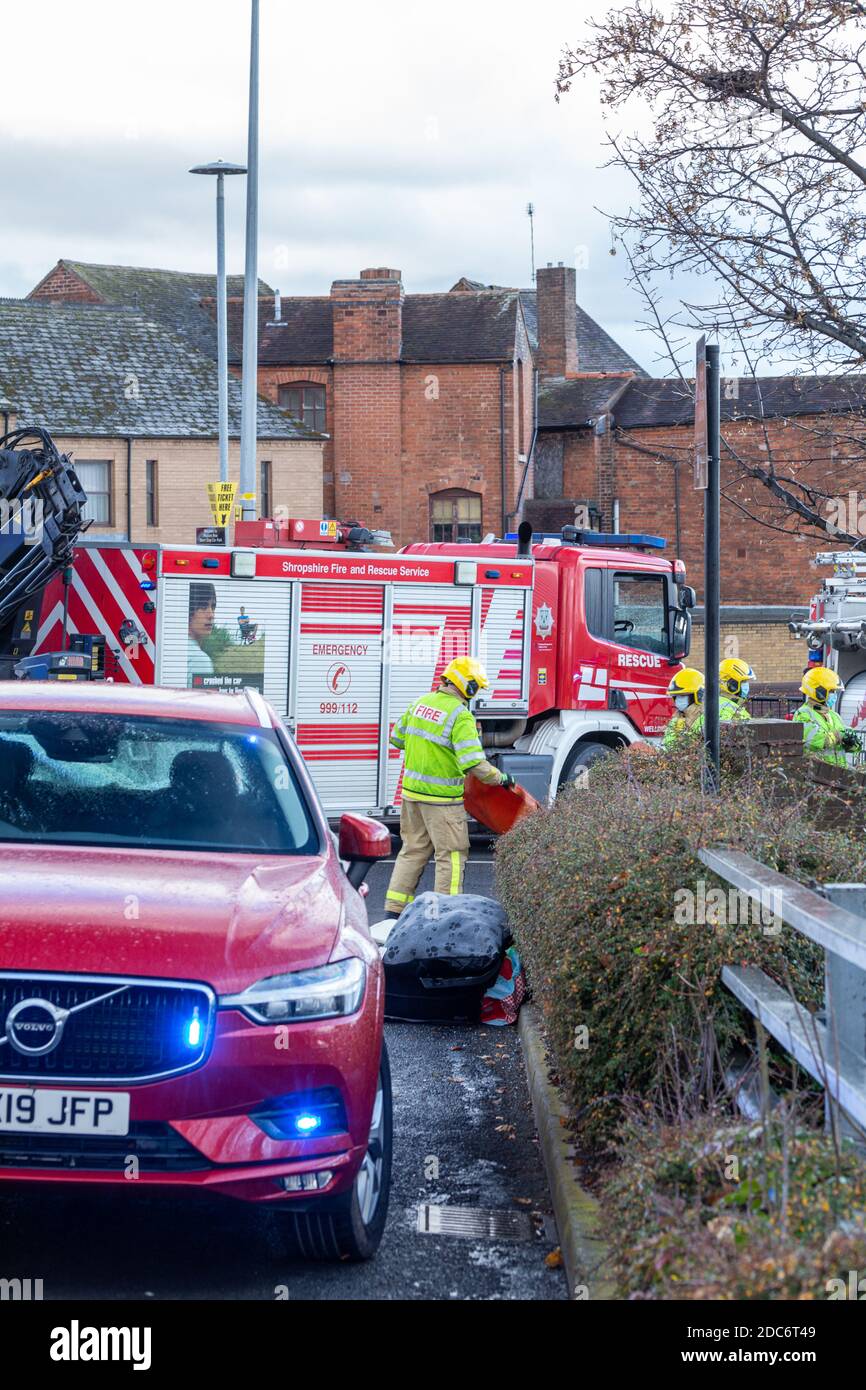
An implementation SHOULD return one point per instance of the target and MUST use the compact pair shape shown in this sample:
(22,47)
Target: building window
(305,402)
(95,477)
(455,516)
(265,492)
(151,492)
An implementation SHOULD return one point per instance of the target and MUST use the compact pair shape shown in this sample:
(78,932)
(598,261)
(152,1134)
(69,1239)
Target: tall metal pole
(222,330)
(712,502)
(251,288)
(220,168)
(530,212)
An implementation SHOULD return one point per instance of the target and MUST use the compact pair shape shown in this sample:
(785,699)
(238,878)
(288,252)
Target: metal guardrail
(832,1047)
(774,706)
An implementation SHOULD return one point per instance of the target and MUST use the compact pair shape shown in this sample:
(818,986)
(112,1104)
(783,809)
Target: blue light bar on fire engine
(615,539)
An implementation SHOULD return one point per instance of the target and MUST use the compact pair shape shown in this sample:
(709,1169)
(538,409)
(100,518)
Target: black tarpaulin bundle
(441,956)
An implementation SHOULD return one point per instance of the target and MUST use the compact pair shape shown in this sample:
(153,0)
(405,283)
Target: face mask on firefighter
(682,701)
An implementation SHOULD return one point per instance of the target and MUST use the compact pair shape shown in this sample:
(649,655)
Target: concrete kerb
(576,1212)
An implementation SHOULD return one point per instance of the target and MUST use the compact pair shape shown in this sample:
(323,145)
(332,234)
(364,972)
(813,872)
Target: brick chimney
(368,317)
(367,403)
(556,289)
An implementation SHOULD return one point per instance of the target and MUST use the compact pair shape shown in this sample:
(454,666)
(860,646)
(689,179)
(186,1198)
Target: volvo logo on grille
(35,1027)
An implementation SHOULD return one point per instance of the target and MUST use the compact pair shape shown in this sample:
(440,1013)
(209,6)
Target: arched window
(455,515)
(305,402)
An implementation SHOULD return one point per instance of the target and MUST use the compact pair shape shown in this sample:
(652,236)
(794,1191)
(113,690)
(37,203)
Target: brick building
(624,446)
(428,399)
(449,415)
(136,406)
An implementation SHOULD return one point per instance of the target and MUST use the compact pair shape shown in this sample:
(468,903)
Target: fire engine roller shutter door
(500,648)
(431,626)
(339,691)
(243,640)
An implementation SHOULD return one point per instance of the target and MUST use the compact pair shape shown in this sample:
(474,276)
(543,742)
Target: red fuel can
(499,808)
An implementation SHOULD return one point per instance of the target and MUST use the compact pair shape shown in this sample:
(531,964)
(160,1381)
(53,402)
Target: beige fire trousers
(426,828)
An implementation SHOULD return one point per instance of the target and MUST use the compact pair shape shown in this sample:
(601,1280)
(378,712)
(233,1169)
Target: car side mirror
(362,841)
(688,596)
(681,634)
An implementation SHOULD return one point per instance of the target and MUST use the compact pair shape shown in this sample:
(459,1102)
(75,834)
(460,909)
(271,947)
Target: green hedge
(593,888)
(705,1211)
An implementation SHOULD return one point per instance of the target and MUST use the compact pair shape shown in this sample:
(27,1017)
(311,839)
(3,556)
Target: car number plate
(64,1112)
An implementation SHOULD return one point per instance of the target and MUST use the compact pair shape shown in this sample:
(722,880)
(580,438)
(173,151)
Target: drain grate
(474,1223)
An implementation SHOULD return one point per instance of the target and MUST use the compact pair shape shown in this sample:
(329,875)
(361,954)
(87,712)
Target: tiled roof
(471,323)
(304,334)
(596,350)
(644,402)
(476,327)
(666,401)
(562,404)
(171,297)
(91,369)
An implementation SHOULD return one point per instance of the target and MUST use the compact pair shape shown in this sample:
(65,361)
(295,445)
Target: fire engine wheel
(579,759)
(350,1225)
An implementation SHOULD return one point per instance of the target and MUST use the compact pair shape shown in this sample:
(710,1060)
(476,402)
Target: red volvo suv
(189,995)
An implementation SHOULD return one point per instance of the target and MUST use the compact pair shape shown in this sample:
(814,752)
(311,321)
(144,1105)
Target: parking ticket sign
(221,497)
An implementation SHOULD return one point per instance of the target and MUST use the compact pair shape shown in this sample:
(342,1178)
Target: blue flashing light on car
(193,1031)
(306,1124)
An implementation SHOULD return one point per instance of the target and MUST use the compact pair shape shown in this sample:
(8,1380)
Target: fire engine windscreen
(106,779)
(41,517)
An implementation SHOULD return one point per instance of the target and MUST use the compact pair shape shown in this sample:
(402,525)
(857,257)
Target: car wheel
(581,758)
(350,1225)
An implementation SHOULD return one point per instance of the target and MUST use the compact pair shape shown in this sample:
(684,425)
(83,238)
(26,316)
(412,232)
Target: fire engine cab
(580,635)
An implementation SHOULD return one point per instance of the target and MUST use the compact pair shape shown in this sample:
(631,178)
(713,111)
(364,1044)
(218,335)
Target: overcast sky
(406,134)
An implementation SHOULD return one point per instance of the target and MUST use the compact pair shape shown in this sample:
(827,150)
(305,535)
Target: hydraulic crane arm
(41,506)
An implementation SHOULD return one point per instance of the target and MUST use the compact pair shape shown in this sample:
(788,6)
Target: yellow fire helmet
(732,673)
(688,681)
(467,674)
(820,682)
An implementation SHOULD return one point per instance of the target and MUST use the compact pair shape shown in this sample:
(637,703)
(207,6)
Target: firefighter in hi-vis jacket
(824,733)
(441,745)
(687,692)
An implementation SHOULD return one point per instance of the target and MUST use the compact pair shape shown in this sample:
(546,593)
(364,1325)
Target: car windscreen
(107,779)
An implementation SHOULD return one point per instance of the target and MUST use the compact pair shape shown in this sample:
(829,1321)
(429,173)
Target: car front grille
(157,1148)
(117,1030)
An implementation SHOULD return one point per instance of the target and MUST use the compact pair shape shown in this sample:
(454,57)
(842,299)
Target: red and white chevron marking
(106,589)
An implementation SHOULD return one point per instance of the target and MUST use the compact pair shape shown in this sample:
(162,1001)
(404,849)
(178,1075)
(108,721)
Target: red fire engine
(580,635)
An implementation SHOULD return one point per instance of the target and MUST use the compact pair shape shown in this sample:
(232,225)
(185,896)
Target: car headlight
(328,991)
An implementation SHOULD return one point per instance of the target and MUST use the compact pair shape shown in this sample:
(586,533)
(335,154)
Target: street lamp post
(221,169)
(249,403)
